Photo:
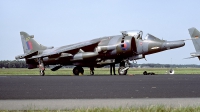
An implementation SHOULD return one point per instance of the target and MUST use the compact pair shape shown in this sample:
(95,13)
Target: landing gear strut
(78,70)
(91,70)
(41,67)
(42,73)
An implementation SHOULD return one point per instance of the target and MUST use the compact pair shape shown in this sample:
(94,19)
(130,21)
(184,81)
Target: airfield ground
(182,84)
(98,71)
(100,93)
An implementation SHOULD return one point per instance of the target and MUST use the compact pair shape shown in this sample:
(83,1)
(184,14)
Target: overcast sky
(62,22)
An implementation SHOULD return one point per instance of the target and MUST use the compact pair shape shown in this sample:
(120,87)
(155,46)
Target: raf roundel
(125,46)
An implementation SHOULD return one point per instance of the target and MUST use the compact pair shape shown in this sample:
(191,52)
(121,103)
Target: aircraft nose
(174,44)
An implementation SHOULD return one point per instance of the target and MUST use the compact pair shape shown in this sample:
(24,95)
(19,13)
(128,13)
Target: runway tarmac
(61,92)
(101,87)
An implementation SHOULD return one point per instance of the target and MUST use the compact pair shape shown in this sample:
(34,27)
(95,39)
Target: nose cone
(174,44)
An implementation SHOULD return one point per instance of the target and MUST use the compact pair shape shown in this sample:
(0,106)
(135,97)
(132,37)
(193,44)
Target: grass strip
(98,71)
(120,109)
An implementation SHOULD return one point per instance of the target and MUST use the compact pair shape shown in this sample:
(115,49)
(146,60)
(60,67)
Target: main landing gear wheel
(121,71)
(78,70)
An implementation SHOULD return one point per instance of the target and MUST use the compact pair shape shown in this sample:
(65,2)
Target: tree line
(22,64)
(13,64)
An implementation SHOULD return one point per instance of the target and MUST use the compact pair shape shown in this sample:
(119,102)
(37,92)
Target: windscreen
(151,37)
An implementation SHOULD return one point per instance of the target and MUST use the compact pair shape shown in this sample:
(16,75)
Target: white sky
(62,22)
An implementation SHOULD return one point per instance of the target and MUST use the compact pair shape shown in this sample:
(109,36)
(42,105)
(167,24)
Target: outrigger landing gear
(78,70)
(41,67)
(42,73)
(91,70)
(122,70)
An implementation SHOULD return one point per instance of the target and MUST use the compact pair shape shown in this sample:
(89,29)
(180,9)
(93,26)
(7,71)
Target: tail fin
(29,44)
(195,35)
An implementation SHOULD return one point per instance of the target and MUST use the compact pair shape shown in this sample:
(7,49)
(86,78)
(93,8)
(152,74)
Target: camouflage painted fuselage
(97,52)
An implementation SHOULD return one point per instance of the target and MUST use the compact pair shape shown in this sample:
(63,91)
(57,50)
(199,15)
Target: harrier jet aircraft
(195,34)
(94,53)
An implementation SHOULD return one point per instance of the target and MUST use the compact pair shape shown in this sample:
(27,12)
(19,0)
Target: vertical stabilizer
(195,34)
(29,44)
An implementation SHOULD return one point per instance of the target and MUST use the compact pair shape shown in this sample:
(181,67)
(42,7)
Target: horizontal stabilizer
(194,55)
(189,57)
(56,68)
(37,56)
(27,55)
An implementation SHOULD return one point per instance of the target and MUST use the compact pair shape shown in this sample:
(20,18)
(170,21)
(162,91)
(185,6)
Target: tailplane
(29,44)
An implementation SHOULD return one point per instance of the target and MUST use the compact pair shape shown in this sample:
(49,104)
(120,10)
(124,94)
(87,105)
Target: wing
(69,50)
(189,57)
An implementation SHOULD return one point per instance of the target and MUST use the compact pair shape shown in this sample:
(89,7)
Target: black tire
(76,71)
(120,71)
(145,73)
(81,70)
(152,73)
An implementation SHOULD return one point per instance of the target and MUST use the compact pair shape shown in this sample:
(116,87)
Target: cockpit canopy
(152,38)
(134,33)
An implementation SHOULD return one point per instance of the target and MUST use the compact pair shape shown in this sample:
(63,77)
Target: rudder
(195,34)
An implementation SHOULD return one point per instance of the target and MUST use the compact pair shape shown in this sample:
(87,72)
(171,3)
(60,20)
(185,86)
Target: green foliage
(98,71)
(13,64)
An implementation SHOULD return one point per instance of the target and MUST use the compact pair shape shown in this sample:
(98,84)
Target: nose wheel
(78,70)
(122,70)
